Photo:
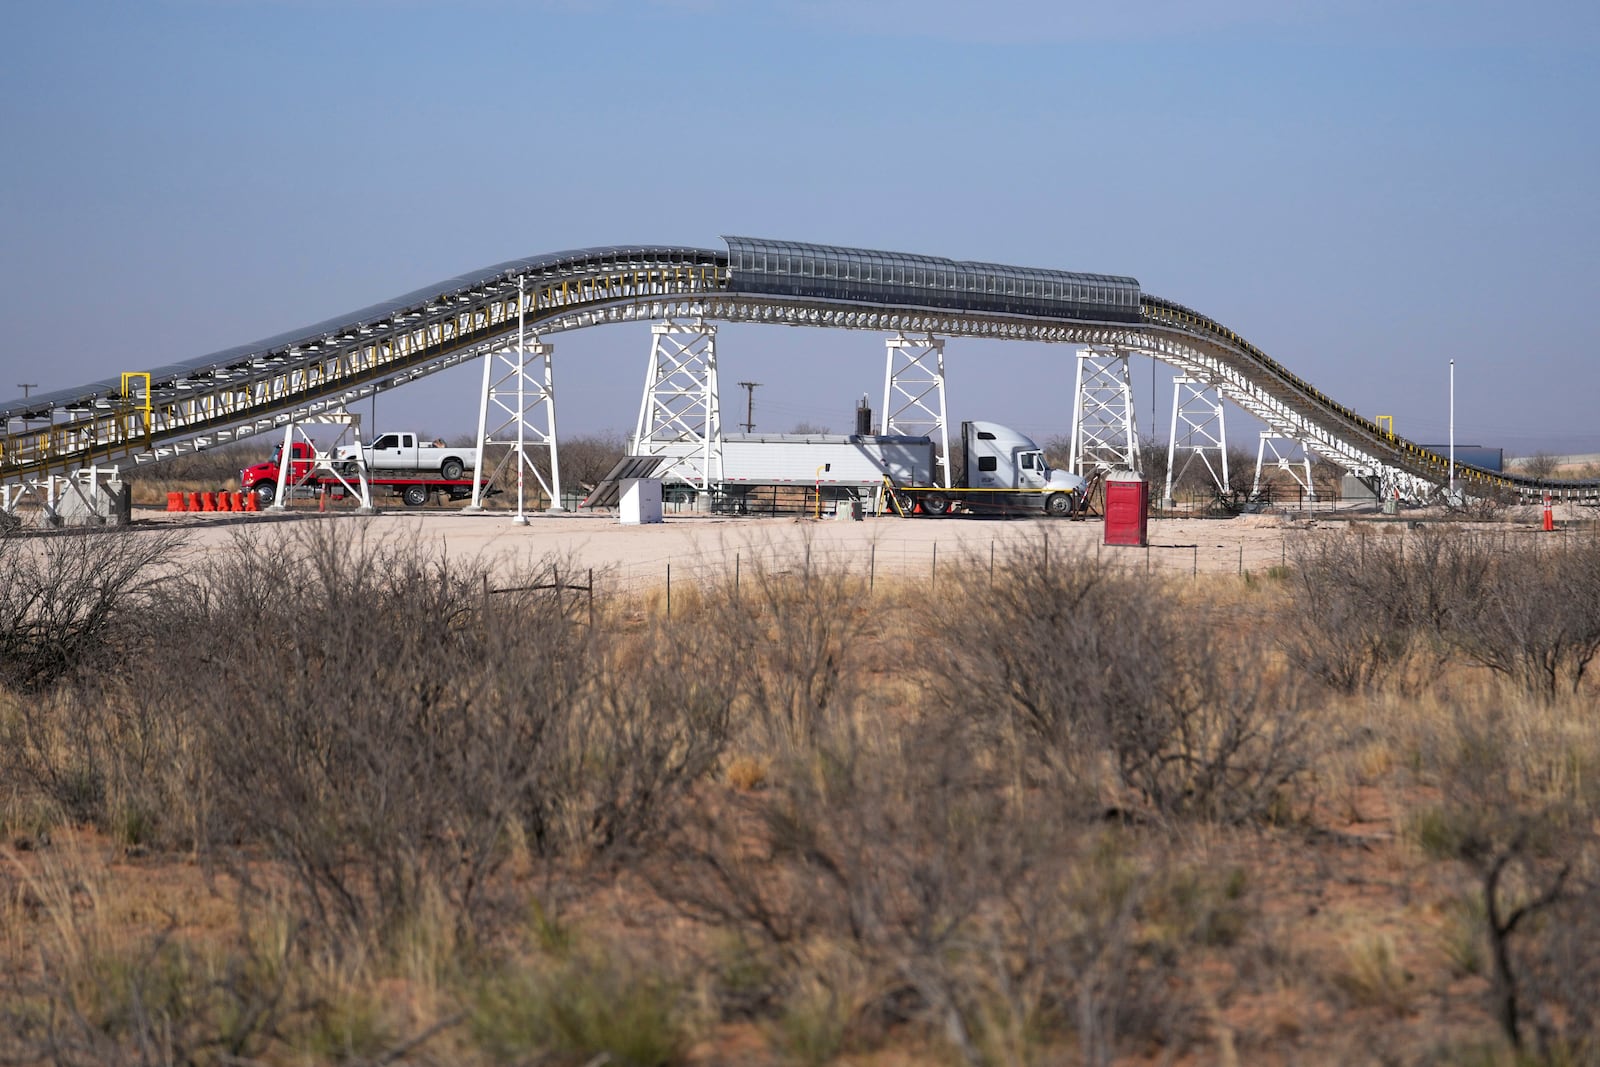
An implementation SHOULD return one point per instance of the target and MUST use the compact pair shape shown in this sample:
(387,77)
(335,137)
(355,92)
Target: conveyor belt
(152,415)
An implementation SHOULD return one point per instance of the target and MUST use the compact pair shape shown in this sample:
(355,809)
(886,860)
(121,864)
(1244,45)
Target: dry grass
(800,825)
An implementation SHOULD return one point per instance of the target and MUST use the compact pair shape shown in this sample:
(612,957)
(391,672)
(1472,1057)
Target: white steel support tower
(913,392)
(1288,454)
(1197,408)
(681,403)
(1105,435)
(322,459)
(519,386)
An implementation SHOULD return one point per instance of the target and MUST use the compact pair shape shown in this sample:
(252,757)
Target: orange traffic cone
(1549,516)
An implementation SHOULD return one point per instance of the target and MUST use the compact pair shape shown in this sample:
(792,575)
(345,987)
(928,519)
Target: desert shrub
(1367,611)
(98,992)
(1084,666)
(589,1003)
(1371,975)
(68,598)
(1371,611)
(212,466)
(1533,619)
(652,718)
(392,720)
(800,638)
(890,876)
(1516,816)
(587,458)
(74,608)
(112,755)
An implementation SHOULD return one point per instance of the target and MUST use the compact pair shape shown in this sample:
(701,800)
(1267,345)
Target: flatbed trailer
(937,501)
(414,490)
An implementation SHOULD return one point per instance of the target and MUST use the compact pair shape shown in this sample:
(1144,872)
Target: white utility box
(641,501)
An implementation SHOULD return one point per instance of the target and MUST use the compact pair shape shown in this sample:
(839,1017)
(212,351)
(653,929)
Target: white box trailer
(1005,471)
(853,461)
(843,466)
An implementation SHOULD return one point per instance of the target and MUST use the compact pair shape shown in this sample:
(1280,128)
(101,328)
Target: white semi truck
(1005,472)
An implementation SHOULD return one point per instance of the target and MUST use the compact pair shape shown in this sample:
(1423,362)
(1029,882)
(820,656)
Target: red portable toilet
(1127,509)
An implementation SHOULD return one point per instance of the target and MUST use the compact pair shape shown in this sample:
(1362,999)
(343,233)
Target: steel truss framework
(682,403)
(1288,455)
(1197,406)
(253,390)
(913,372)
(1105,434)
(518,387)
(322,459)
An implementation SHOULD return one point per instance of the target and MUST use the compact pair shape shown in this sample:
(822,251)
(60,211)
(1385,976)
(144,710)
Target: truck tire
(1059,505)
(935,504)
(451,469)
(265,492)
(414,495)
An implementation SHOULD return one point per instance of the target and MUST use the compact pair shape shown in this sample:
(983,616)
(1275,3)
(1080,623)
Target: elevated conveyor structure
(148,416)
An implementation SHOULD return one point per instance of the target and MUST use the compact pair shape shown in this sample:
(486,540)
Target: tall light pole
(521,517)
(1452,432)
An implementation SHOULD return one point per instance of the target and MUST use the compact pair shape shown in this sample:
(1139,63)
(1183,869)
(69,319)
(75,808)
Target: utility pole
(749,422)
(26,387)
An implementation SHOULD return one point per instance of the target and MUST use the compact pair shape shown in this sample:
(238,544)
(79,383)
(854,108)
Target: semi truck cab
(1005,471)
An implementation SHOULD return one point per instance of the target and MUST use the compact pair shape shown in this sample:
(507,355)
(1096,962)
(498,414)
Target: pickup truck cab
(404,452)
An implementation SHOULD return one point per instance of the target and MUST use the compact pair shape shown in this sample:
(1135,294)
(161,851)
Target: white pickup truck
(404,452)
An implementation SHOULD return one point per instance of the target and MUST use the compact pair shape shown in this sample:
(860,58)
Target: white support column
(322,460)
(518,388)
(1105,433)
(680,414)
(913,392)
(1288,454)
(1197,406)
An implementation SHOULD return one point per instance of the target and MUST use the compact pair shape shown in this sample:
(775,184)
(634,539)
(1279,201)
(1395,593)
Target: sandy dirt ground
(687,546)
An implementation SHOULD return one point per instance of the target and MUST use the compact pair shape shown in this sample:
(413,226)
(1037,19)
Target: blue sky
(1365,190)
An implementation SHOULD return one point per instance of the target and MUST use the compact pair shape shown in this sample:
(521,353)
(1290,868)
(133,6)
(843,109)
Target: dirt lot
(637,557)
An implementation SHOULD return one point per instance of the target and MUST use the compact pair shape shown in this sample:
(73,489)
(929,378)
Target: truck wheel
(264,492)
(451,469)
(935,504)
(1059,505)
(414,495)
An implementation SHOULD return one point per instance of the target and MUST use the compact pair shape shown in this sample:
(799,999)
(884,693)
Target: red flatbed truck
(414,488)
